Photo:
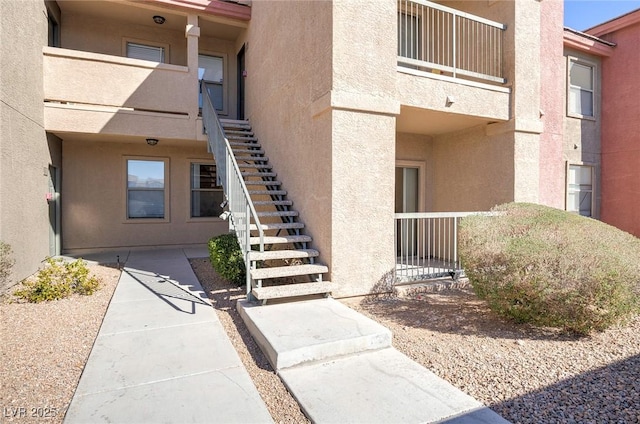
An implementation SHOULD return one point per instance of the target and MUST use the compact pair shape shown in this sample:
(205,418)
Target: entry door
(54,211)
(407,201)
(241,77)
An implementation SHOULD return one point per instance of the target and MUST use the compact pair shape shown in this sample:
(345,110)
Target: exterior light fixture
(152,141)
(159,19)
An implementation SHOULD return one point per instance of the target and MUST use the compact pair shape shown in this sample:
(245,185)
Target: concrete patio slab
(162,355)
(380,387)
(294,333)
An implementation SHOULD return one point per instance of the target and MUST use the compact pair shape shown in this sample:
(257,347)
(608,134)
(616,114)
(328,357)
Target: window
(144,52)
(211,70)
(581,89)
(580,189)
(206,195)
(145,189)
(53,38)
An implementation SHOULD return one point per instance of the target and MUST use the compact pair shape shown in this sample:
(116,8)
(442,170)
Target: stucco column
(527,125)
(192,32)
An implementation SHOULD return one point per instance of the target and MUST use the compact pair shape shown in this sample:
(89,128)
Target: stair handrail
(241,208)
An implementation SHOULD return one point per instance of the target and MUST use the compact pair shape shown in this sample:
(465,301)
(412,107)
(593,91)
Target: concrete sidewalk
(161,354)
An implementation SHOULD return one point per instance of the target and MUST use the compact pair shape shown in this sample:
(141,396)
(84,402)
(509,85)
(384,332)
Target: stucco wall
(552,70)
(24,152)
(621,131)
(94,196)
(472,171)
(321,98)
(582,136)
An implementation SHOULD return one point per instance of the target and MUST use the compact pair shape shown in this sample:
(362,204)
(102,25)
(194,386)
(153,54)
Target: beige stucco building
(365,109)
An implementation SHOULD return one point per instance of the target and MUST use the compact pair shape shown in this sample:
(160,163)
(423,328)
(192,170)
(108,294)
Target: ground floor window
(146,188)
(206,196)
(580,189)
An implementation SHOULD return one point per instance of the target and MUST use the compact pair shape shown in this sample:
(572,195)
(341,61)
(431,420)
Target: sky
(584,14)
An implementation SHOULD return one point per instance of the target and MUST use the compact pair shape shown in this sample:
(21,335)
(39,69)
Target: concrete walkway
(161,354)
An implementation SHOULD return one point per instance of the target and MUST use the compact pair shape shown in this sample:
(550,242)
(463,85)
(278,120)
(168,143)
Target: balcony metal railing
(440,39)
(241,208)
(427,245)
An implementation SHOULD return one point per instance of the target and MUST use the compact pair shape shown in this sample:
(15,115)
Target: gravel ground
(44,349)
(282,406)
(525,374)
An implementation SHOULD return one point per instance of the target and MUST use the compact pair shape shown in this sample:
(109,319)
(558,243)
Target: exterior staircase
(285,266)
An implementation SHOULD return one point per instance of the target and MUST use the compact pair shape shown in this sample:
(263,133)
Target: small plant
(6,263)
(552,268)
(58,280)
(226,258)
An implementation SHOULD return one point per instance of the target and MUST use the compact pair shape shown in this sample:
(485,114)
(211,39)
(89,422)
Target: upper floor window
(581,89)
(145,52)
(211,70)
(580,189)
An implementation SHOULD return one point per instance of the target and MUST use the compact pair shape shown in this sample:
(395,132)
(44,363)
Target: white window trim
(593,186)
(165,46)
(225,79)
(422,179)
(167,191)
(190,218)
(594,67)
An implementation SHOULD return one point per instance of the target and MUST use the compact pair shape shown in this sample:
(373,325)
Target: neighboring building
(582,86)
(620,123)
(364,108)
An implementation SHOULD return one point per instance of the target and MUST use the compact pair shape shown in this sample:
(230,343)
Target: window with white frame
(581,89)
(145,52)
(580,189)
(211,70)
(206,195)
(410,34)
(146,189)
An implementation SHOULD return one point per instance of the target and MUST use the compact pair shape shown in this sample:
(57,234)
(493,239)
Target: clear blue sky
(583,14)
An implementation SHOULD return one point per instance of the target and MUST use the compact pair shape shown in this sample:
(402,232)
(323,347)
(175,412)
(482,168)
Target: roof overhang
(587,43)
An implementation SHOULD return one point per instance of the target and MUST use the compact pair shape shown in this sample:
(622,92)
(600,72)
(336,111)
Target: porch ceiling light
(152,141)
(159,19)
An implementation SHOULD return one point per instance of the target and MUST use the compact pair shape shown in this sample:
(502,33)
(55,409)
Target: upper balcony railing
(440,39)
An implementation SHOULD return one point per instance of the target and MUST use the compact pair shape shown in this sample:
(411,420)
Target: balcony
(455,57)
(95,93)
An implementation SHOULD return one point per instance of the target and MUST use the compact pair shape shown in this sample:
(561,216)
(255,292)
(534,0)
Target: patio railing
(440,39)
(241,209)
(427,245)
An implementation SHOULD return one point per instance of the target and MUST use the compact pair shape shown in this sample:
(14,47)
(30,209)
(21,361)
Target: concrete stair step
(262,183)
(238,144)
(273,203)
(245,151)
(233,121)
(254,165)
(288,291)
(268,192)
(258,174)
(278,226)
(288,271)
(239,132)
(277,213)
(323,328)
(280,239)
(282,254)
(252,158)
(240,137)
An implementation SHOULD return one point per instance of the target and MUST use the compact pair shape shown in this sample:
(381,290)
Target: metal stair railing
(241,208)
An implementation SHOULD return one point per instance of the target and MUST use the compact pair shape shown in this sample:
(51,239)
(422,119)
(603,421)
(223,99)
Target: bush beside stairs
(287,267)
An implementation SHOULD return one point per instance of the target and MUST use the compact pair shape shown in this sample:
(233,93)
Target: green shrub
(226,258)
(6,264)
(59,279)
(552,268)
